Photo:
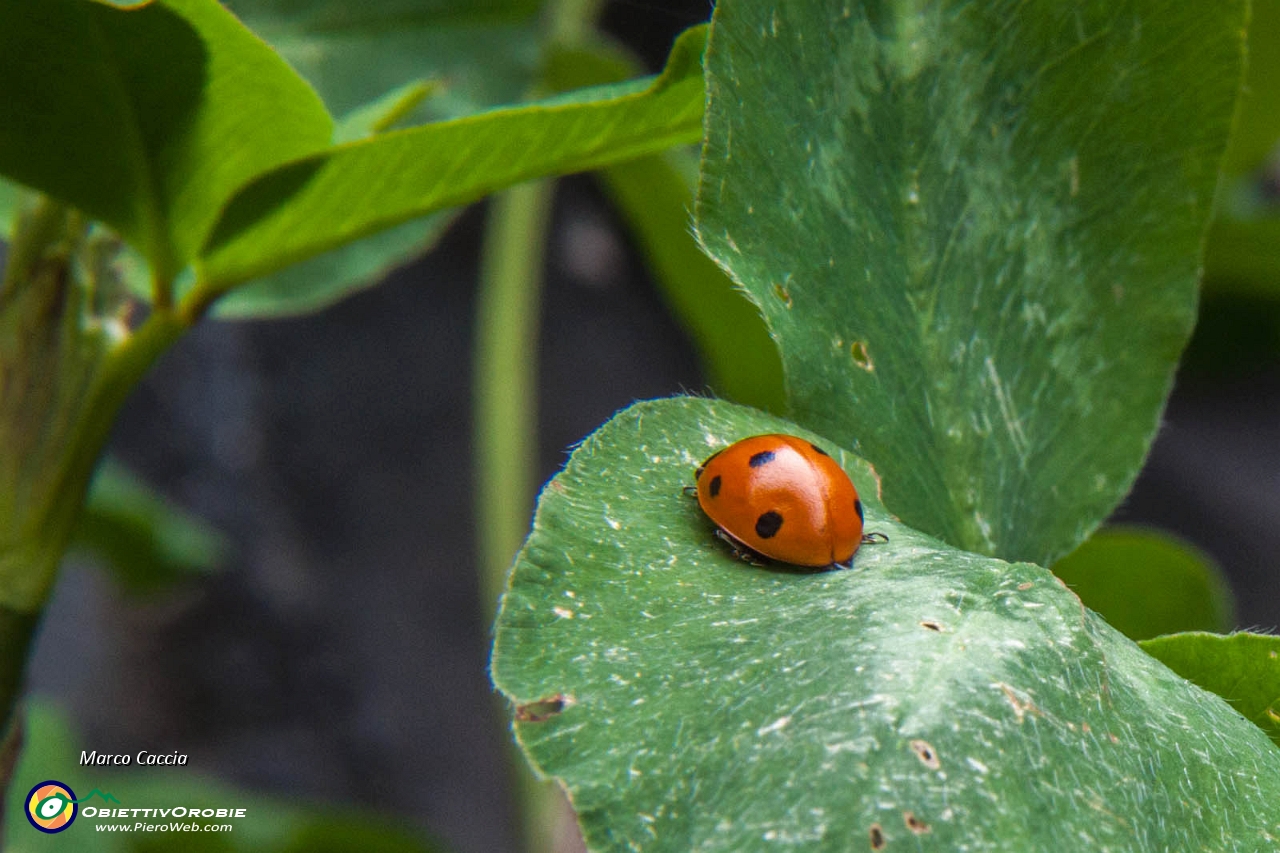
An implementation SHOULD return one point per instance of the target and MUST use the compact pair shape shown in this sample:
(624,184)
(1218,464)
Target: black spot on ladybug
(714,487)
(764,457)
(817,449)
(857,504)
(768,524)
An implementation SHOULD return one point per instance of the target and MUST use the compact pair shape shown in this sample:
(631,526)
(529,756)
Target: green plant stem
(506,376)
(64,373)
(505,388)
(506,423)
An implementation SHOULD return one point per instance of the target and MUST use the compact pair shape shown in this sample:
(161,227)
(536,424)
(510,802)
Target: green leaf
(1242,257)
(384,113)
(1243,251)
(974,230)
(475,56)
(146,542)
(321,281)
(689,701)
(325,279)
(486,52)
(1146,583)
(151,117)
(9,194)
(1257,127)
(318,203)
(1242,668)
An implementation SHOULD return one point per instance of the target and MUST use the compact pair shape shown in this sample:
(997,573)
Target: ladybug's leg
(690,491)
(741,553)
(874,538)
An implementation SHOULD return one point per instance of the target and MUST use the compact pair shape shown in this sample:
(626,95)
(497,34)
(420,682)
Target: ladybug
(783,498)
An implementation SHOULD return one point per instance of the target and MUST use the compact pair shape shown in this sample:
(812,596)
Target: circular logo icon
(51,806)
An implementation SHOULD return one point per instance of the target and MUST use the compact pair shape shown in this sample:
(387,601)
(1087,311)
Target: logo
(51,806)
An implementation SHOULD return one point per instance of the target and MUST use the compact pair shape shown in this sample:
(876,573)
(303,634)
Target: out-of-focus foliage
(146,542)
(1147,583)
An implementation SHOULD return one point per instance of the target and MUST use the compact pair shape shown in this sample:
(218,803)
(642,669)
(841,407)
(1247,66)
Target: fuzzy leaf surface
(974,229)
(937,699)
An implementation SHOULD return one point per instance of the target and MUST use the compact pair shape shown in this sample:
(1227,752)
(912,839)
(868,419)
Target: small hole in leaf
(878,840)
(914,823)
(926,753)
(542,710)
(861,357)
(930,625)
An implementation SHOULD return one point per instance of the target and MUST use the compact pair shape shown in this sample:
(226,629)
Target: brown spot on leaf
(1021,707)
(914,823)
(1025,586)
(543,709)
(781,292)
(878,841)
(926,753)
(930,625)
(861,357)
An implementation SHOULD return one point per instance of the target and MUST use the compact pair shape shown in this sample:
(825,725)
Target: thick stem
(65,370)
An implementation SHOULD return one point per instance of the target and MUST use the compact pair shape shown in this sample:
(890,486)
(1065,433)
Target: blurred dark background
(341,654)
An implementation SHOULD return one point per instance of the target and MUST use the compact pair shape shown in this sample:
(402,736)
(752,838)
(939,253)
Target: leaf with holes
(689,701)
(974,230)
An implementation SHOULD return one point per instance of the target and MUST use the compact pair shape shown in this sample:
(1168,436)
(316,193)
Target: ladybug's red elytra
(783,498)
